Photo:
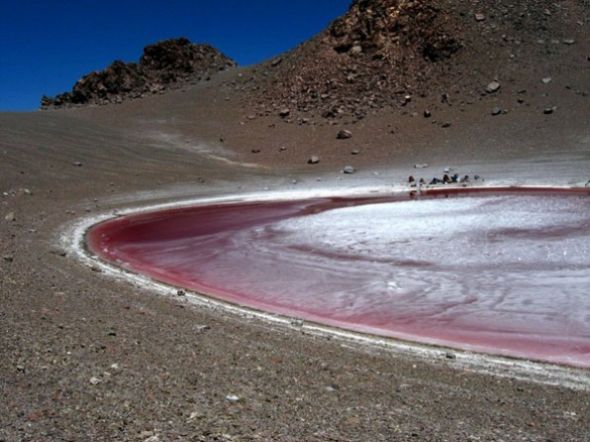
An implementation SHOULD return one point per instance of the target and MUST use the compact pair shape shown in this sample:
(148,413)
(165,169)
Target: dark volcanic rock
(162,65)
(377,50)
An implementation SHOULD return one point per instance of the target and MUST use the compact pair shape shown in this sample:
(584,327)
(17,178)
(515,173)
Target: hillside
(163,65)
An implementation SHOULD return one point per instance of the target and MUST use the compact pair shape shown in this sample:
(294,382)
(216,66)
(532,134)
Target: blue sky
(46,46)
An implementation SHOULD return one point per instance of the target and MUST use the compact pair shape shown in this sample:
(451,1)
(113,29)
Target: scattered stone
(447,169)
(422,181)
(344,134)
(58,251)
(282,149)
(355,151)
(496,111)
(348,170)
(450,355)
(479,16)
(10,217)
(8,258)
(427,113)
(493,87)
(548,110)
(445,125)
(546,80)
(356,49)
(180,293)
(407,99)
(96,269)
(77,163)
(285,112)
(313,159)
(115,366)
(27,192)
(421,166)
(411,179)
(201,328)
(568,41)
(232,398)
(255,151)
(276,62)
(94,380)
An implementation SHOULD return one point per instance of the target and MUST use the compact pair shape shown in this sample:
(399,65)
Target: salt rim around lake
(73,238)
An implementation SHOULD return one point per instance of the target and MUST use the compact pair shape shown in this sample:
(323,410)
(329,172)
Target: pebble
(421,166)
(282,149)
(10,217)
(479,16)
(284,112)
(201,328)
(314,159)
(344,134)
(355,151)
(546,80)
(548,110)
(492,87)
(94,380)
(232,398)
(450,355)
(427,114)
(496,111)
(356,49)
(568,41)
(180,293)
(77,163)
(8,258)
(59,252)
(348,170)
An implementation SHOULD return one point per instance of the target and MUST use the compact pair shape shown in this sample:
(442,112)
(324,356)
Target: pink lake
(500,271)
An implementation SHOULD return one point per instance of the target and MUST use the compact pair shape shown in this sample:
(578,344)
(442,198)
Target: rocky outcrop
(163,65)
(378,50)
